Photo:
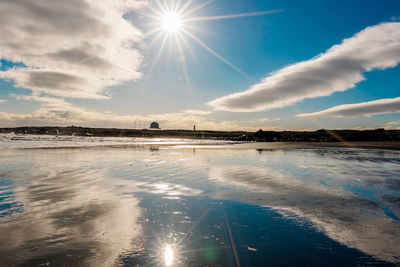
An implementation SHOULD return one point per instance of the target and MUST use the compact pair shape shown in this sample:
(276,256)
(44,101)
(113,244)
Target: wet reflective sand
(194,206)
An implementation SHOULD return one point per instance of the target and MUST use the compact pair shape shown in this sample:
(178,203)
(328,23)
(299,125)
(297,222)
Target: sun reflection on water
(169,255)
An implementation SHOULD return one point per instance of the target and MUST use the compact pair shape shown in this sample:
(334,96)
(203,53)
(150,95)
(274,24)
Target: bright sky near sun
(222,64)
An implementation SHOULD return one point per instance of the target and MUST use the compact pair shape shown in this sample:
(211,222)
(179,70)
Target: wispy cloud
(44,100)
(338,69)
(3,101)
(365,109)
(74,48)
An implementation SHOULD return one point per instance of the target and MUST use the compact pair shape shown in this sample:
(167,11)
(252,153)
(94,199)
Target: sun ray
(161,7)
(185,6)
(197,8)
(176,7)
(180,242)
(232,16)
(189,48)
(158,36)
(151,16)
(168,5)
(150,33)
(156,12)
(194,37)
(146,14)
(160,50)
(184,67)
(191,27)
(175,28)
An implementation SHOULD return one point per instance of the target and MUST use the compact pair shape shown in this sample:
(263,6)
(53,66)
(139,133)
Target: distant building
(194,127)
(154,125)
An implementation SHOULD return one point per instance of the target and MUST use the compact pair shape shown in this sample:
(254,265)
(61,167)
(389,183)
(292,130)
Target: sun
(171,22)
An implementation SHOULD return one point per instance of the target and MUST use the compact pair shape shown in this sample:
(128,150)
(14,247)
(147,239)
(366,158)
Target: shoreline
(261,146)
(389,145)
(319,136)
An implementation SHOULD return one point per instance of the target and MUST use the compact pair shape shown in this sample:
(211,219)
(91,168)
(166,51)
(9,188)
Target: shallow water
(195,206)
(24,141)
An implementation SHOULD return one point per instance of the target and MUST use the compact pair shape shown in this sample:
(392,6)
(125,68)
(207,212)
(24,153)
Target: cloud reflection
(71,217)
(345,217)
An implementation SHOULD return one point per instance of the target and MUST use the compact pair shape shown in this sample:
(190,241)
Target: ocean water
(183,204)
(18,141)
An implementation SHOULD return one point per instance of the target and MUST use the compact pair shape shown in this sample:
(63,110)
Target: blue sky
(159,90)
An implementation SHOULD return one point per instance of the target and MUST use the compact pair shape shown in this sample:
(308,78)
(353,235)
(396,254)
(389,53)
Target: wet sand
(280,145)
(249,203)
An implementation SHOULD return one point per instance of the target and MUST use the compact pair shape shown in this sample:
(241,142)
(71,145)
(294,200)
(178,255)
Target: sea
(92,201)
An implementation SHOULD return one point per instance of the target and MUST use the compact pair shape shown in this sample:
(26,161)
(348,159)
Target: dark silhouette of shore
(259,136)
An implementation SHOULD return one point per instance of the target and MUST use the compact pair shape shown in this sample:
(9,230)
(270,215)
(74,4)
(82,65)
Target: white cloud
(264,120)
(58,112)
(3,101)
(338,69)
(365,109)
(197,112)
(44,100)
(392,125)
(361,128)
(73,48)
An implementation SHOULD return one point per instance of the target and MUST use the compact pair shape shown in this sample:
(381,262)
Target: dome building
(154,125)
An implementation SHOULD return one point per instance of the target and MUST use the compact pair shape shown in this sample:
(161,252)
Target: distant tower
(154,125)
(194,127)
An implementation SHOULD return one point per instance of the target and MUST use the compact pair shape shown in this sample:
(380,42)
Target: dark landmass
(259,136)
(328,136)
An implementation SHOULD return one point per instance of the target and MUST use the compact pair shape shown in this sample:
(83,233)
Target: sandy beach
(222,204)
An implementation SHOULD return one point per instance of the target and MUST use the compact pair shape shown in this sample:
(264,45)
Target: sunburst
(171,22)
(175,21)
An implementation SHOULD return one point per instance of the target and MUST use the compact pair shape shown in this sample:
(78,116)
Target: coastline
(322,135)
(394,145)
